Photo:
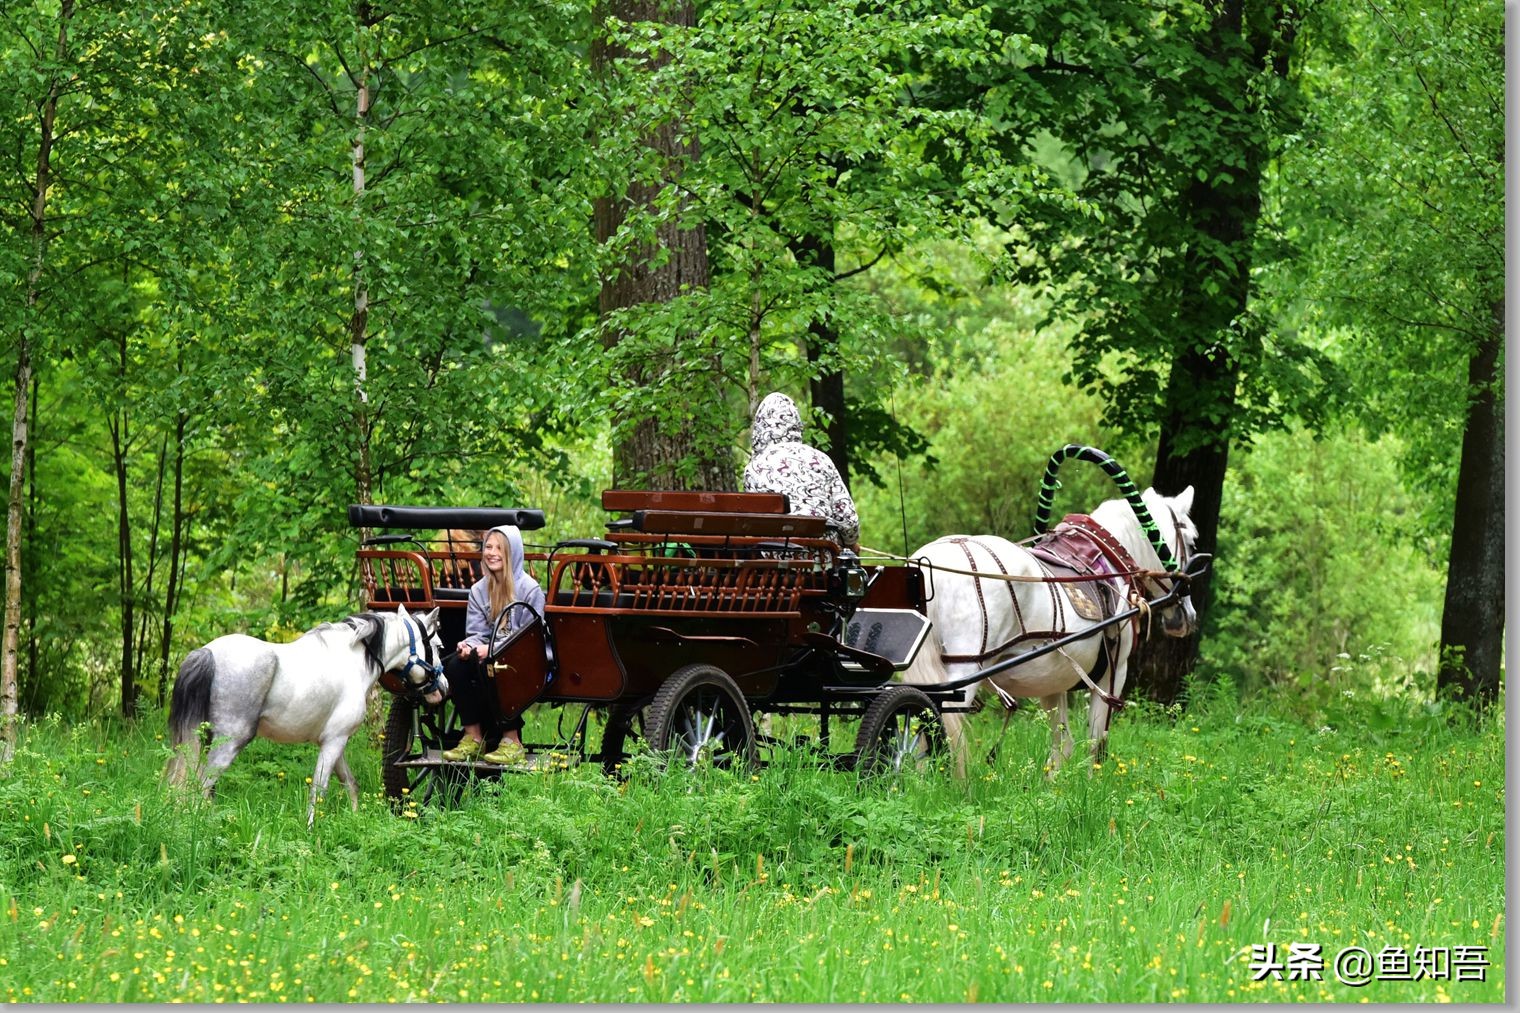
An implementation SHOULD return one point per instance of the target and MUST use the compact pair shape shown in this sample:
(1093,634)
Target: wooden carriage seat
(626,500)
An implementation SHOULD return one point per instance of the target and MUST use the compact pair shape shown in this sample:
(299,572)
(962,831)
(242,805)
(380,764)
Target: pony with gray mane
(995,600)
(312,689)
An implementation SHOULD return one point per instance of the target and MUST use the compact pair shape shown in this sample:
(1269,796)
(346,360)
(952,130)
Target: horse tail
(189,709)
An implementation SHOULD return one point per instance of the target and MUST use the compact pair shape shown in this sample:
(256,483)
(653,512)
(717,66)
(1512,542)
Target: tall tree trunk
(142,642)
(358,328)
(125,576)
(29,559)
(1472,619)
(171,592)
(1194,443)
(1165,662)
(9,644)
(756,319)
(826,386)
(652,453)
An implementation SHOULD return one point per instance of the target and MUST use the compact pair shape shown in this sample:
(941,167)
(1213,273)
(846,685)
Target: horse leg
(1099,711)
(329,755)
(225,747)
(929,669)
(347,777)
(1098,714)
(955,736)
(1061,742)
(1009,706)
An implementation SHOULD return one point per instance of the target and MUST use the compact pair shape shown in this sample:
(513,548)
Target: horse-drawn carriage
(698,611)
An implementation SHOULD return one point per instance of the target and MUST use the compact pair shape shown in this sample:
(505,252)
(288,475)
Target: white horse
(312,689)
(1017,607)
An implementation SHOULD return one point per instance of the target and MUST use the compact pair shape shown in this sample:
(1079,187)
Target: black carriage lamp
(848,579)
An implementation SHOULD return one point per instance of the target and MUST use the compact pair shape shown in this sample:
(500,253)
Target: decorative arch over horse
(1039,618)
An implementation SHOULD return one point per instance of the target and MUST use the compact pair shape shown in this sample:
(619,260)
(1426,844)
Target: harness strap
(1112,551)
(980,601)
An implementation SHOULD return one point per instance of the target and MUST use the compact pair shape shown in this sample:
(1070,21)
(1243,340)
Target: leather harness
(1081,553)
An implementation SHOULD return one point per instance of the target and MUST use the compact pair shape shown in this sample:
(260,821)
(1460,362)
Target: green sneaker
(507,754)
(468,749)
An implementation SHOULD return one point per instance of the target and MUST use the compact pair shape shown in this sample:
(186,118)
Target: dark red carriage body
(727,580)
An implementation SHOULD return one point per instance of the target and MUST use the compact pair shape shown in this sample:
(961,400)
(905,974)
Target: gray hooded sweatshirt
(478,618)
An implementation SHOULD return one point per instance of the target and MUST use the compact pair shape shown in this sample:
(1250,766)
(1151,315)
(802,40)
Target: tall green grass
(1149,879)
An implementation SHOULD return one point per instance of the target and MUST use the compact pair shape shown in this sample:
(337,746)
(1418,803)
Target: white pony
(312,689)
(1024,602)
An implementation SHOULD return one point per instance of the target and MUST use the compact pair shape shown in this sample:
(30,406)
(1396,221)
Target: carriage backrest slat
(712,502)
(683,522)
(640,583)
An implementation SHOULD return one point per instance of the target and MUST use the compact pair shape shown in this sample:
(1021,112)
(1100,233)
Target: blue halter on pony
(432,682)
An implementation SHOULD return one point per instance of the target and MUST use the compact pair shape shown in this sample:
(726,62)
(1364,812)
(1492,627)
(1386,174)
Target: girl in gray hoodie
(504,580)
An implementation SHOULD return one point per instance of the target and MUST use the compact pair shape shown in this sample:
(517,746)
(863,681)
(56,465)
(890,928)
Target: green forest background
(260,261)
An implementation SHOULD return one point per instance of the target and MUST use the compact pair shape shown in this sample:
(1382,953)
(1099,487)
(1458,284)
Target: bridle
(1183,554)
(1180,574)
(431,671)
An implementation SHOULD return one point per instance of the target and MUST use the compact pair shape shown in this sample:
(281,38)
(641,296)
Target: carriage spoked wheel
(700,718)
(901,730)
(415,732)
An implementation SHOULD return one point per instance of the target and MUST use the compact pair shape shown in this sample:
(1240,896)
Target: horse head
(1180,533)
(417,654)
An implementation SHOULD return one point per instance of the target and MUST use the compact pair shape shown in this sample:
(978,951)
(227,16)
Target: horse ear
(401,611)
(430,620)
(1185,500)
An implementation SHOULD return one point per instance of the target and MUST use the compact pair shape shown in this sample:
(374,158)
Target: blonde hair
(502,590)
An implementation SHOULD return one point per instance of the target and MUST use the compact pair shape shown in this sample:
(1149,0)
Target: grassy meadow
(1207,832)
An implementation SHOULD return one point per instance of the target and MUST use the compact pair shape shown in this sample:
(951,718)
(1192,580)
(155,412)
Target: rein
(866,552)
(1114,553)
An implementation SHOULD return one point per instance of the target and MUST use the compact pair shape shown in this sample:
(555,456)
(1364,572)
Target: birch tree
(51,68)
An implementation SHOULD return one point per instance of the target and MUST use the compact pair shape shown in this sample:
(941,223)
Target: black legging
(474,695)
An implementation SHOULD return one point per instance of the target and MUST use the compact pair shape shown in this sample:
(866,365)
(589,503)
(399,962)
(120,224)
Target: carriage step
(537,761)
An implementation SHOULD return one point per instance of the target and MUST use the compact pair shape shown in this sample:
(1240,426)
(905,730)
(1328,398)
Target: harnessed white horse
(312,689)
(994,600)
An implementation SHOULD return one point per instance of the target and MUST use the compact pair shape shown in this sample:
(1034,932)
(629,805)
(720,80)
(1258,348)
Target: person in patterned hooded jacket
(781,462)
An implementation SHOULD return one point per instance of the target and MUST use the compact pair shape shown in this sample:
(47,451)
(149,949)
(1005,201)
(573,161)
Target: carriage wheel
(411,732)
(900,730)
(699,716)
(625,730)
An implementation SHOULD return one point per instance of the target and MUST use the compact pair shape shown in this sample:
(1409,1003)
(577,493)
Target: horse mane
(368,629)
